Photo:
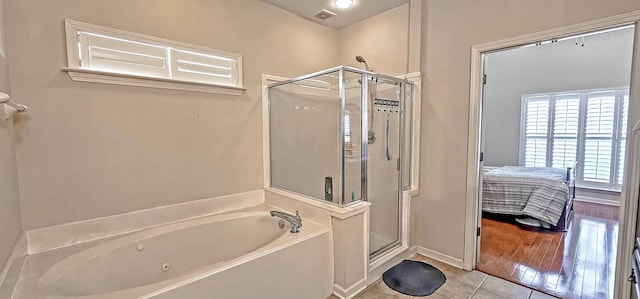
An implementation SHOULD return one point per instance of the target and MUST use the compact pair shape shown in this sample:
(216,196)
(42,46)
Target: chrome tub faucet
(295,221)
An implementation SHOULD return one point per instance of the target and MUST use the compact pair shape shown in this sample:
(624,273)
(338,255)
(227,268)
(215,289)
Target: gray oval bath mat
(414,278)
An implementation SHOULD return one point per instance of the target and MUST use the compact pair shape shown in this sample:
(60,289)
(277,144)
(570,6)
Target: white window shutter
(536,131)
(109,54)
(105,53)
(599,134)
(536,152)
(566,117)
(200,67)
(622,143)
(585,126)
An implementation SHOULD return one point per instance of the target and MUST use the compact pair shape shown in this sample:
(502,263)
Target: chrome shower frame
(365,76)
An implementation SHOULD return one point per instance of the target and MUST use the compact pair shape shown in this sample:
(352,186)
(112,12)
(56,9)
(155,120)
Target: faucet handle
(299,219)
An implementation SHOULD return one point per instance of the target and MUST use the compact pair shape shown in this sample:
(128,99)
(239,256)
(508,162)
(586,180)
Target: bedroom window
(587,126)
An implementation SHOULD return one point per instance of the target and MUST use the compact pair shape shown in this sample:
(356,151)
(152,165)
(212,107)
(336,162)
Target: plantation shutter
(536,131)
(566,117)
(622,143)
(124,53)
(111,54)
(599,134)
(195,66)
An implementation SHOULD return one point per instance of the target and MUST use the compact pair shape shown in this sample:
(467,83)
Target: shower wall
(10,223)
(306,132)
(304,140)
(353,158)
(88,150)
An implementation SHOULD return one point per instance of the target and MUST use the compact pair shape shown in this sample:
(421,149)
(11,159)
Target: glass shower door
(384,155)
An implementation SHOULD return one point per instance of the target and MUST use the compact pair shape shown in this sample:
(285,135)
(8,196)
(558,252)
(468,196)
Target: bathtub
(237,255)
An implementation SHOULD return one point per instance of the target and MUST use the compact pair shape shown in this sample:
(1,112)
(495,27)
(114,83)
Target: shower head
(361,60)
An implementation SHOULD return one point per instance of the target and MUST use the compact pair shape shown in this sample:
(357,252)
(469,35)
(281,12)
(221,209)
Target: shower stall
(342,136)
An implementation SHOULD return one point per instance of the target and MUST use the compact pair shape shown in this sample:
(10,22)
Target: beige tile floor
(460,284)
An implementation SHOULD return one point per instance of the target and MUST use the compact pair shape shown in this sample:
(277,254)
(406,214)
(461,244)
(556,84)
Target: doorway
(550,38)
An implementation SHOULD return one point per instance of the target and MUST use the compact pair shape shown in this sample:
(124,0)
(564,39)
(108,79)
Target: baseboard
(608,202)
(351,291)
(413,250)
(439,256)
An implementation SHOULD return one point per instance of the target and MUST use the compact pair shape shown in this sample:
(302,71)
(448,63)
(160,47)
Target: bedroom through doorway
(553,140)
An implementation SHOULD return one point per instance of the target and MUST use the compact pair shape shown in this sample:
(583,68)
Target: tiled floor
(460,284)
(577,264)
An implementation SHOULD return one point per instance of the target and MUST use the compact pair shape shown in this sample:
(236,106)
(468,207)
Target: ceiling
(360,10)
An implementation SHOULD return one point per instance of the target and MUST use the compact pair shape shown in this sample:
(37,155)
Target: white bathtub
(238,255)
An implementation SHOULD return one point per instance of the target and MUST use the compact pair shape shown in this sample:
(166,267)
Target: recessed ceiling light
(343,3)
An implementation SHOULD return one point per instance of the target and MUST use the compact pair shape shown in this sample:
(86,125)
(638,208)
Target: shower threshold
(379,241)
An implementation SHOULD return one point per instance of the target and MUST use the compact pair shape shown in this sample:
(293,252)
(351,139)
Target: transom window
(104,52)
(587,126)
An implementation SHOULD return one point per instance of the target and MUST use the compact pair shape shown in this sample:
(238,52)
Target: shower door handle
(386,141)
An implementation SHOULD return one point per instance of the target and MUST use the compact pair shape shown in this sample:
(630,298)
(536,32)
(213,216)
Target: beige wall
(10,226)
(383,40)
(450,28)
(88,150)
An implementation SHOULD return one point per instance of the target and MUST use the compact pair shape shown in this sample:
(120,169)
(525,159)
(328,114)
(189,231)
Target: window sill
(83,75)
(598,189)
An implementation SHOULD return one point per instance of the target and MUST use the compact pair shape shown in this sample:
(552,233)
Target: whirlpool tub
(237,255)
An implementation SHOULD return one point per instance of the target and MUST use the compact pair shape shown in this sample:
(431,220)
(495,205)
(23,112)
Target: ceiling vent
(324,14)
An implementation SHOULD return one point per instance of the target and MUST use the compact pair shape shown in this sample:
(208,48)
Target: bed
(543,193)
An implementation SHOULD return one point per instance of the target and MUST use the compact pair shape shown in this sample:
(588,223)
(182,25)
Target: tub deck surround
(350,228)
(68,234)
(319,211)
(353,271)
(13,267)
(131,266)
(335,255)
(19,251)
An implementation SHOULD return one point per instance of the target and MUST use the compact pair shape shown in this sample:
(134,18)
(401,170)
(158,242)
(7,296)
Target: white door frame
(629,198)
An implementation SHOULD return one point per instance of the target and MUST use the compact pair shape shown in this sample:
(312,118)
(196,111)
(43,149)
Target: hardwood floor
(579,263)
